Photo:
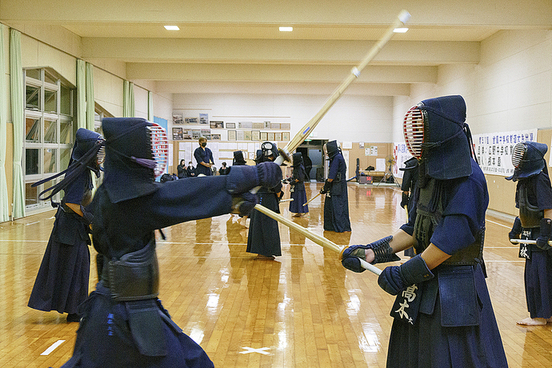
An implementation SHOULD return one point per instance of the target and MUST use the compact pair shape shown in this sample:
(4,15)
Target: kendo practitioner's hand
(404,200)
(545,232)
(381,249)
(516,230)
(244,203)
(394,279)
(326,188)
(244,178)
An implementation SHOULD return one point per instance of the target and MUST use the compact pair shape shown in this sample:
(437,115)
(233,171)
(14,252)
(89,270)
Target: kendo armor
(238,158)
(332,148)
(136,153)
(87,154)
(268,150)
(297,158)
(437,135)
(528,161)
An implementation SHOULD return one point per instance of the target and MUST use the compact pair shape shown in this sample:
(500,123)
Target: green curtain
(18,119)
(90,105)
(81,94)
(150,106)
(128,99)
(4,205)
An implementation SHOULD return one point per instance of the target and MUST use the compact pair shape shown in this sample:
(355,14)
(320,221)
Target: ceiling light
(286,29)
(400,30)
(172,28)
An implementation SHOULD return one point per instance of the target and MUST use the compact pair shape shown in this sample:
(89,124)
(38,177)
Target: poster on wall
(494,150)
(400,154)
(230,125)
(177,134)
(204,118)
(216,124)
(231,135)
(178,119)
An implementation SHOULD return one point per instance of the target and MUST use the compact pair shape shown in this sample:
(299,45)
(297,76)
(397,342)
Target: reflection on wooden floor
(301,310)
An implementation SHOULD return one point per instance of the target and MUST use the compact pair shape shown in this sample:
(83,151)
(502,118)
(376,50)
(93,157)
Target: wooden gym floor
(301,310)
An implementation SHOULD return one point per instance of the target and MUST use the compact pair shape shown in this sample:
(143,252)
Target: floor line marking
(496,223)
(53,347)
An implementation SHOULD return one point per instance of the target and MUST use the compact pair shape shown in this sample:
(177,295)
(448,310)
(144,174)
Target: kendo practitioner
(62,280)
(190,170)
(297,186)
(181,169)
(124,323)
(408,186)
(534,200)
(264,236)
(336,204)
(204,158)
(224,170)
(443,315)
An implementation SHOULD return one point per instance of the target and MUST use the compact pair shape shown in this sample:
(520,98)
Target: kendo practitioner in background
(336,204)
(224,170)
(204,158)
(443,315)
(264,235)
(190,170)
(534,200)
(238,159)
(181,169)
(408,186)
(297,186)
(62,280)
(124,323)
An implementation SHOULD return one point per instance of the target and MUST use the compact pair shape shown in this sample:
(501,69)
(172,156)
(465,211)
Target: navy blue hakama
(264,236)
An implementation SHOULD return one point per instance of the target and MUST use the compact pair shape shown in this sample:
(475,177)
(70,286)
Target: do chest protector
(529,214)
(429,213)
(455,281)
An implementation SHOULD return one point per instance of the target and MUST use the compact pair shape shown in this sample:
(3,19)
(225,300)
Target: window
(50,131)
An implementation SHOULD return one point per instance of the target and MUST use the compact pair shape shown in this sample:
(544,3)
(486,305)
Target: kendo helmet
(268,150)
(136,154)
(87,154)
(332,149)
(238,158)
(436,134)
(528,159)
(297,158)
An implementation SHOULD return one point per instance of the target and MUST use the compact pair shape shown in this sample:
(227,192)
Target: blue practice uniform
(206,156)
(336,204)
(298,193)
(140,333)
(62,280)
(535,192)
(264,236)
(448,321)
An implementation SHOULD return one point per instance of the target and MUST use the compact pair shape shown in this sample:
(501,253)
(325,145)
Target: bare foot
(532,321)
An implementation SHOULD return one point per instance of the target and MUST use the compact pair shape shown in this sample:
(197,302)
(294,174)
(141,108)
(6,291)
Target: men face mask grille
(413,130)
(159,147)
(519,151)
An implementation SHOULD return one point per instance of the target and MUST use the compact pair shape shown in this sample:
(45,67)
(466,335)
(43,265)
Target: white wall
(510,88)
(352,118)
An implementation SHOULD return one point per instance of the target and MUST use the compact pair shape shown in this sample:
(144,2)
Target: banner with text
(494,150)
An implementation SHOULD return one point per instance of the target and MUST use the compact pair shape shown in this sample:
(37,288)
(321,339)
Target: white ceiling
(225,43)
